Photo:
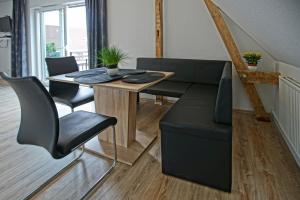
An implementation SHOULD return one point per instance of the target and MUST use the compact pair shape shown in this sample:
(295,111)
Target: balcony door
(52,35)
(62,32)
(77,35)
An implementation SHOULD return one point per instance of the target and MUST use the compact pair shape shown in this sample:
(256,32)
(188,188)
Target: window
(60,31)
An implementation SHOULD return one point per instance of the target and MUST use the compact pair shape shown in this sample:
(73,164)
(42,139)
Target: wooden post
(159,38)
(237,60)
(159,28)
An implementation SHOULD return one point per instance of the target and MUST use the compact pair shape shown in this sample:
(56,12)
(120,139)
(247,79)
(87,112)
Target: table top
(115,84)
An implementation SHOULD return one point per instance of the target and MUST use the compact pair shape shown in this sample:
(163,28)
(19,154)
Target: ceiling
(273,23)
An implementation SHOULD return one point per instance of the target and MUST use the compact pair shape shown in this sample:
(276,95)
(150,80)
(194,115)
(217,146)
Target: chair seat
(80,126)
(75,98)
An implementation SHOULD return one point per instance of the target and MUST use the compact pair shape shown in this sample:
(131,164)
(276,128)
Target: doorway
(61,31)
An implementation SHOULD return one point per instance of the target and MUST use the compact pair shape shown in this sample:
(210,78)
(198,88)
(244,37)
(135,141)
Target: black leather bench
(196,132)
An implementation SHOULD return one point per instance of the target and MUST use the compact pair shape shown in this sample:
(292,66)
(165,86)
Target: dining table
(118,99)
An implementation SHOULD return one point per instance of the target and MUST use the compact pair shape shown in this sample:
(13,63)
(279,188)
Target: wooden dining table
(118,99)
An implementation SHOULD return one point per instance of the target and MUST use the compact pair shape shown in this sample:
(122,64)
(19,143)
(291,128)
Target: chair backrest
(57,66)
(39,118)
(61,65)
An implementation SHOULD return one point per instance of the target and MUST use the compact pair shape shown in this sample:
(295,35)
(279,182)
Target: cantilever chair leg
(55,176)
(110,168)
(72,163)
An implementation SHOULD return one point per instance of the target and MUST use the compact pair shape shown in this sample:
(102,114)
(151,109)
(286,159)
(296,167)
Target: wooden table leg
(121,104)
(159,100)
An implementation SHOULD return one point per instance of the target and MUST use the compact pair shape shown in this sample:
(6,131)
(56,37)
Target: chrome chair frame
(81,146)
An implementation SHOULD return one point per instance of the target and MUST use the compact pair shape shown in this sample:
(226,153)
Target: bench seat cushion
(194,114)
(168,88)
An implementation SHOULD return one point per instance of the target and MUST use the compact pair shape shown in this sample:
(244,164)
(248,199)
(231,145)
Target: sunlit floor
(263,168)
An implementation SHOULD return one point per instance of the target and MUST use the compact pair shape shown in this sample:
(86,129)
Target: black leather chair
(69,94)
(41,126)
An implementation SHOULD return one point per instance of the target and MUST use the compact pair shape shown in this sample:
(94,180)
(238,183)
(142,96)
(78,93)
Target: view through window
(77,35)
(63,33)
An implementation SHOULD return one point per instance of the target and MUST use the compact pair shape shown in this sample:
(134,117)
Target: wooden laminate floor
(263,168)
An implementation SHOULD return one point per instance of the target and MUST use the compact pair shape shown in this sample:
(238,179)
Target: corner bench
(196,132)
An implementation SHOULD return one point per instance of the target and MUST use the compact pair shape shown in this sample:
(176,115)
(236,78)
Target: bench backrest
(223,106)
(186,70)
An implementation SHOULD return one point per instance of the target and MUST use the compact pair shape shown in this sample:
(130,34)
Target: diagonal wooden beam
(237,60)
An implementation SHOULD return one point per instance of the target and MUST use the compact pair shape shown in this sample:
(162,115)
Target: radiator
(289,114)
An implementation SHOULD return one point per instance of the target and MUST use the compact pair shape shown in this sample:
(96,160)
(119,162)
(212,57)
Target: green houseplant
(110,58)
(252,59)
(51,49)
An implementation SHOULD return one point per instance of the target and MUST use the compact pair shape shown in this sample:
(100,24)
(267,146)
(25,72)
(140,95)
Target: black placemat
(143,78)
(124,72)
(102,70)
(91,72)
(98,78)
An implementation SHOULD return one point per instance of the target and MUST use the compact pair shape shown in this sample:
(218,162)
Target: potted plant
(252,59)
(110,58)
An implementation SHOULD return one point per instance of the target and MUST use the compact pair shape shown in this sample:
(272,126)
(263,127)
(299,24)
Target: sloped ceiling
(275,24)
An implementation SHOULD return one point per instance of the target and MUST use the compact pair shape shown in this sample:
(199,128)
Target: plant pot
(252,67)
(112,71)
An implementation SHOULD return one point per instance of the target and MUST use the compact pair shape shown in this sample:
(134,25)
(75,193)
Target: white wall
(189,32)
(274,23)
(131,28)
(5,53)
